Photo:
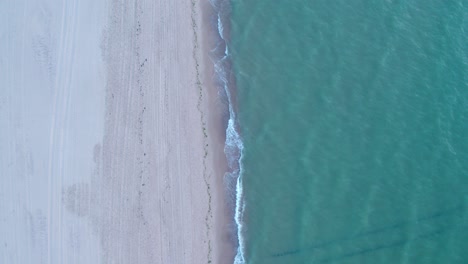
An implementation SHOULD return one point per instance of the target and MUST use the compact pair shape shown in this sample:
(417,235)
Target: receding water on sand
(233,146)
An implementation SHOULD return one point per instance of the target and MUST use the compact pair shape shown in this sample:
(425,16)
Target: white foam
(239,215)
(234,149)
(220,26)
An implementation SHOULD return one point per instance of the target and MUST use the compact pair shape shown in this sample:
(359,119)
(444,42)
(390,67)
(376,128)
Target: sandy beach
(112,141)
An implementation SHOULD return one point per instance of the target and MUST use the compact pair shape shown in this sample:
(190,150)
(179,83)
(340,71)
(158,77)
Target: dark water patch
(458,211)
(398,243)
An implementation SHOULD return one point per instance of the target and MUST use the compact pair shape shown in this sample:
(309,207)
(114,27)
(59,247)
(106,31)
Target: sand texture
(106,153)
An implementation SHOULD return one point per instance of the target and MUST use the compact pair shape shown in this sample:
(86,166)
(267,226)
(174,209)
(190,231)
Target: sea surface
(350,120)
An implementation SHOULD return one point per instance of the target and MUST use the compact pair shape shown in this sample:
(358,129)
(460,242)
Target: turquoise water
(354,122)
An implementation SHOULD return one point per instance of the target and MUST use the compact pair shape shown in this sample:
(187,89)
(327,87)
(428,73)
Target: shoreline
(214,131)
(215,108)
(223,78)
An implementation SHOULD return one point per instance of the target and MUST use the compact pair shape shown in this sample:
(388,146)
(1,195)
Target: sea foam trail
(233,146)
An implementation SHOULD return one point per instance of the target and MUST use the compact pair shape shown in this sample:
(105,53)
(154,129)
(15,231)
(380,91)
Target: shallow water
(354,116)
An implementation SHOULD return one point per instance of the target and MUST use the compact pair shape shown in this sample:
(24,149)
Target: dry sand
(111,147)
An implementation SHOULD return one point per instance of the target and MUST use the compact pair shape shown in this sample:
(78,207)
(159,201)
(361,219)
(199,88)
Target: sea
(347,129)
